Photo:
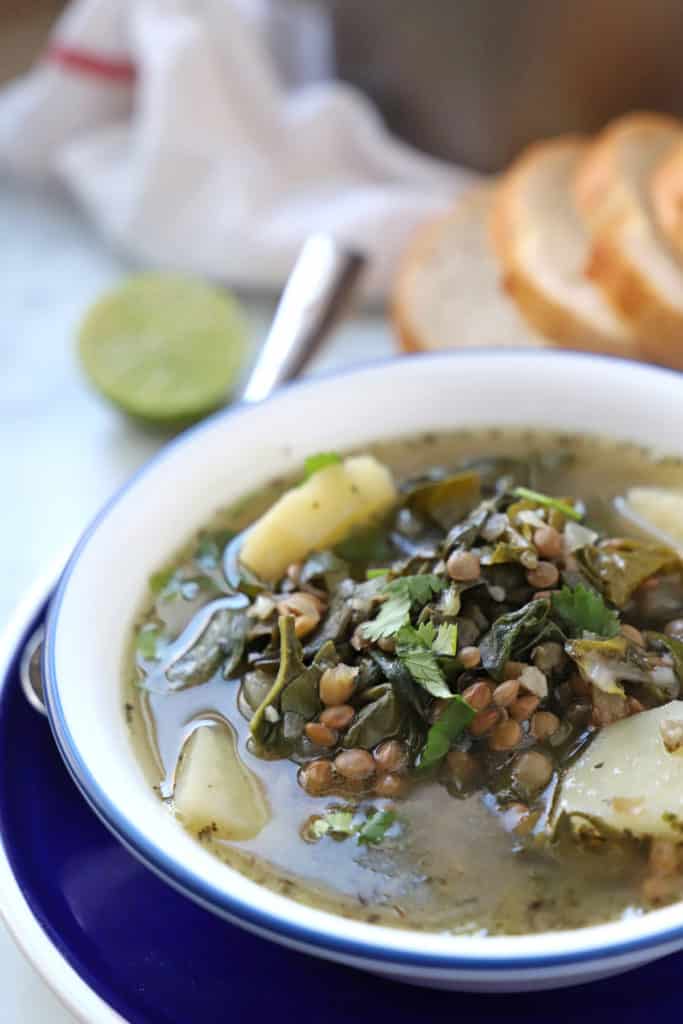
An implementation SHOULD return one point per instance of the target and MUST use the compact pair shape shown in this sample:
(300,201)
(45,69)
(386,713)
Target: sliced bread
(629,259)
(543,247)
(666,193)
(448,292)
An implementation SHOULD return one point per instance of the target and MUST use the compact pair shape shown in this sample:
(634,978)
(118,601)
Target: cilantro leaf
(392,615)
(376,827)
(543,499)
(582,610)
(339,822)
(446,641)
(395,611)
(420,588)
(451,723)
(321,460)
(414,649)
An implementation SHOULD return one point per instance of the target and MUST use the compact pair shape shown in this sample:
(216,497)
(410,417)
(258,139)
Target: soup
(433,685)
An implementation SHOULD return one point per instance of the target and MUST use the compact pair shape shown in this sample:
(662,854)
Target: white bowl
(232,453)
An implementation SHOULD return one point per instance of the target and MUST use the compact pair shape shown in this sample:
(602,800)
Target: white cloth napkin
(168,122)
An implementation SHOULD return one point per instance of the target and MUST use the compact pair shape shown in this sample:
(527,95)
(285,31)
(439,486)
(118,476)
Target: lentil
(463,566)
(355,764)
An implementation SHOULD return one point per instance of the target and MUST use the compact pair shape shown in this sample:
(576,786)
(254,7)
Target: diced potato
(660,507)
(318,514)
(628,778)
(214,789)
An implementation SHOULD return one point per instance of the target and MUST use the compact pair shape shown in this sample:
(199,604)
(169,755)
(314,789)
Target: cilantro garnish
(376,827)
(341,823)
(314,463)
(401,594)
(584,611)
(415,649)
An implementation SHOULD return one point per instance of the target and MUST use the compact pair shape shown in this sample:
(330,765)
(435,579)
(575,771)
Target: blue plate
(157,958)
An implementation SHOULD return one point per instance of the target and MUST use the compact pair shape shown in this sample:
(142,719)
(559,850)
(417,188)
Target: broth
(454,860)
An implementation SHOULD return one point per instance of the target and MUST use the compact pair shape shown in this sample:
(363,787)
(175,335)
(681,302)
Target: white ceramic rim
(658,422)
(78,998)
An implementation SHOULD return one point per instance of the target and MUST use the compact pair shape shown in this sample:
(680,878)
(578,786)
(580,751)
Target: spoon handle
(316,292)
(318,289)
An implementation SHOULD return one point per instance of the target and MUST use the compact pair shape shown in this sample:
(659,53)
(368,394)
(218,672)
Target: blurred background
(212,137)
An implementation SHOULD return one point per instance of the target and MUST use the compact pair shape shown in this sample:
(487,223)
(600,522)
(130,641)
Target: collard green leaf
(673,646)
(448,500)
(254,689)
(321,460)
(377,721)
(581,610)
(609,663)
(618,570)
(451,723)
(374,829)
(512,635)
(291,666)
(369,545)
(548,502)
(222,642)
(237,576)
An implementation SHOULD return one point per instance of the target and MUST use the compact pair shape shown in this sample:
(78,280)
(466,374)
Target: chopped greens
(547,502)
(147,642)
(514,634)
(321,460)
(450,724)
(342,824)
(446,640)
(335,821)
(370,662)
(376,827)
(401,594)
(620,568)
(583,611)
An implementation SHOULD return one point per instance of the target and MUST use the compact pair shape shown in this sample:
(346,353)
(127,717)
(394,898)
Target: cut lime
(164,347)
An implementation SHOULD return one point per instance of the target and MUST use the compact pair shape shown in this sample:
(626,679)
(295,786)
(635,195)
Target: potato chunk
(215,790)
(631,775)
(318,514)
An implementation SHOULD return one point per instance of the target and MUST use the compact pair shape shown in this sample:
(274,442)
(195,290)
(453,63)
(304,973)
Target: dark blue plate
(156,958)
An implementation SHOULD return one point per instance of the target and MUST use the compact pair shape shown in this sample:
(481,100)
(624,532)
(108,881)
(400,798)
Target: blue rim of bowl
(231,907)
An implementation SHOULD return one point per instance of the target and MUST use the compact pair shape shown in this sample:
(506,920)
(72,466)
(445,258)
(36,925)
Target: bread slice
(448,293)
(629,258)
(666,195)
(543,247)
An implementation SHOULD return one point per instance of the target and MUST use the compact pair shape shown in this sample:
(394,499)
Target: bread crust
(666,194)
(557,320)
(614,213)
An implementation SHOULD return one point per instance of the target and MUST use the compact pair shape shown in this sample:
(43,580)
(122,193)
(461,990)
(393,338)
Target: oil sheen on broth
(454,862)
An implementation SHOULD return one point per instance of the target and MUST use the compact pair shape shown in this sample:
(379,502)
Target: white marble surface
(62,451)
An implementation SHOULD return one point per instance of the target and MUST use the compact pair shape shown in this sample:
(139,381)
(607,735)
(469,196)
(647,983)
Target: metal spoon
(312,302)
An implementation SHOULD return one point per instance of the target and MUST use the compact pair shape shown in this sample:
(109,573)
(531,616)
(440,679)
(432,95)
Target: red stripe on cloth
(86,63)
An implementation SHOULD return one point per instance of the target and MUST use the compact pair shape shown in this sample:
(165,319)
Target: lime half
(164,347)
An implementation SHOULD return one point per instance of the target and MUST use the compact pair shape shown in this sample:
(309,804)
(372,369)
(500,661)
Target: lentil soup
(407,687)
